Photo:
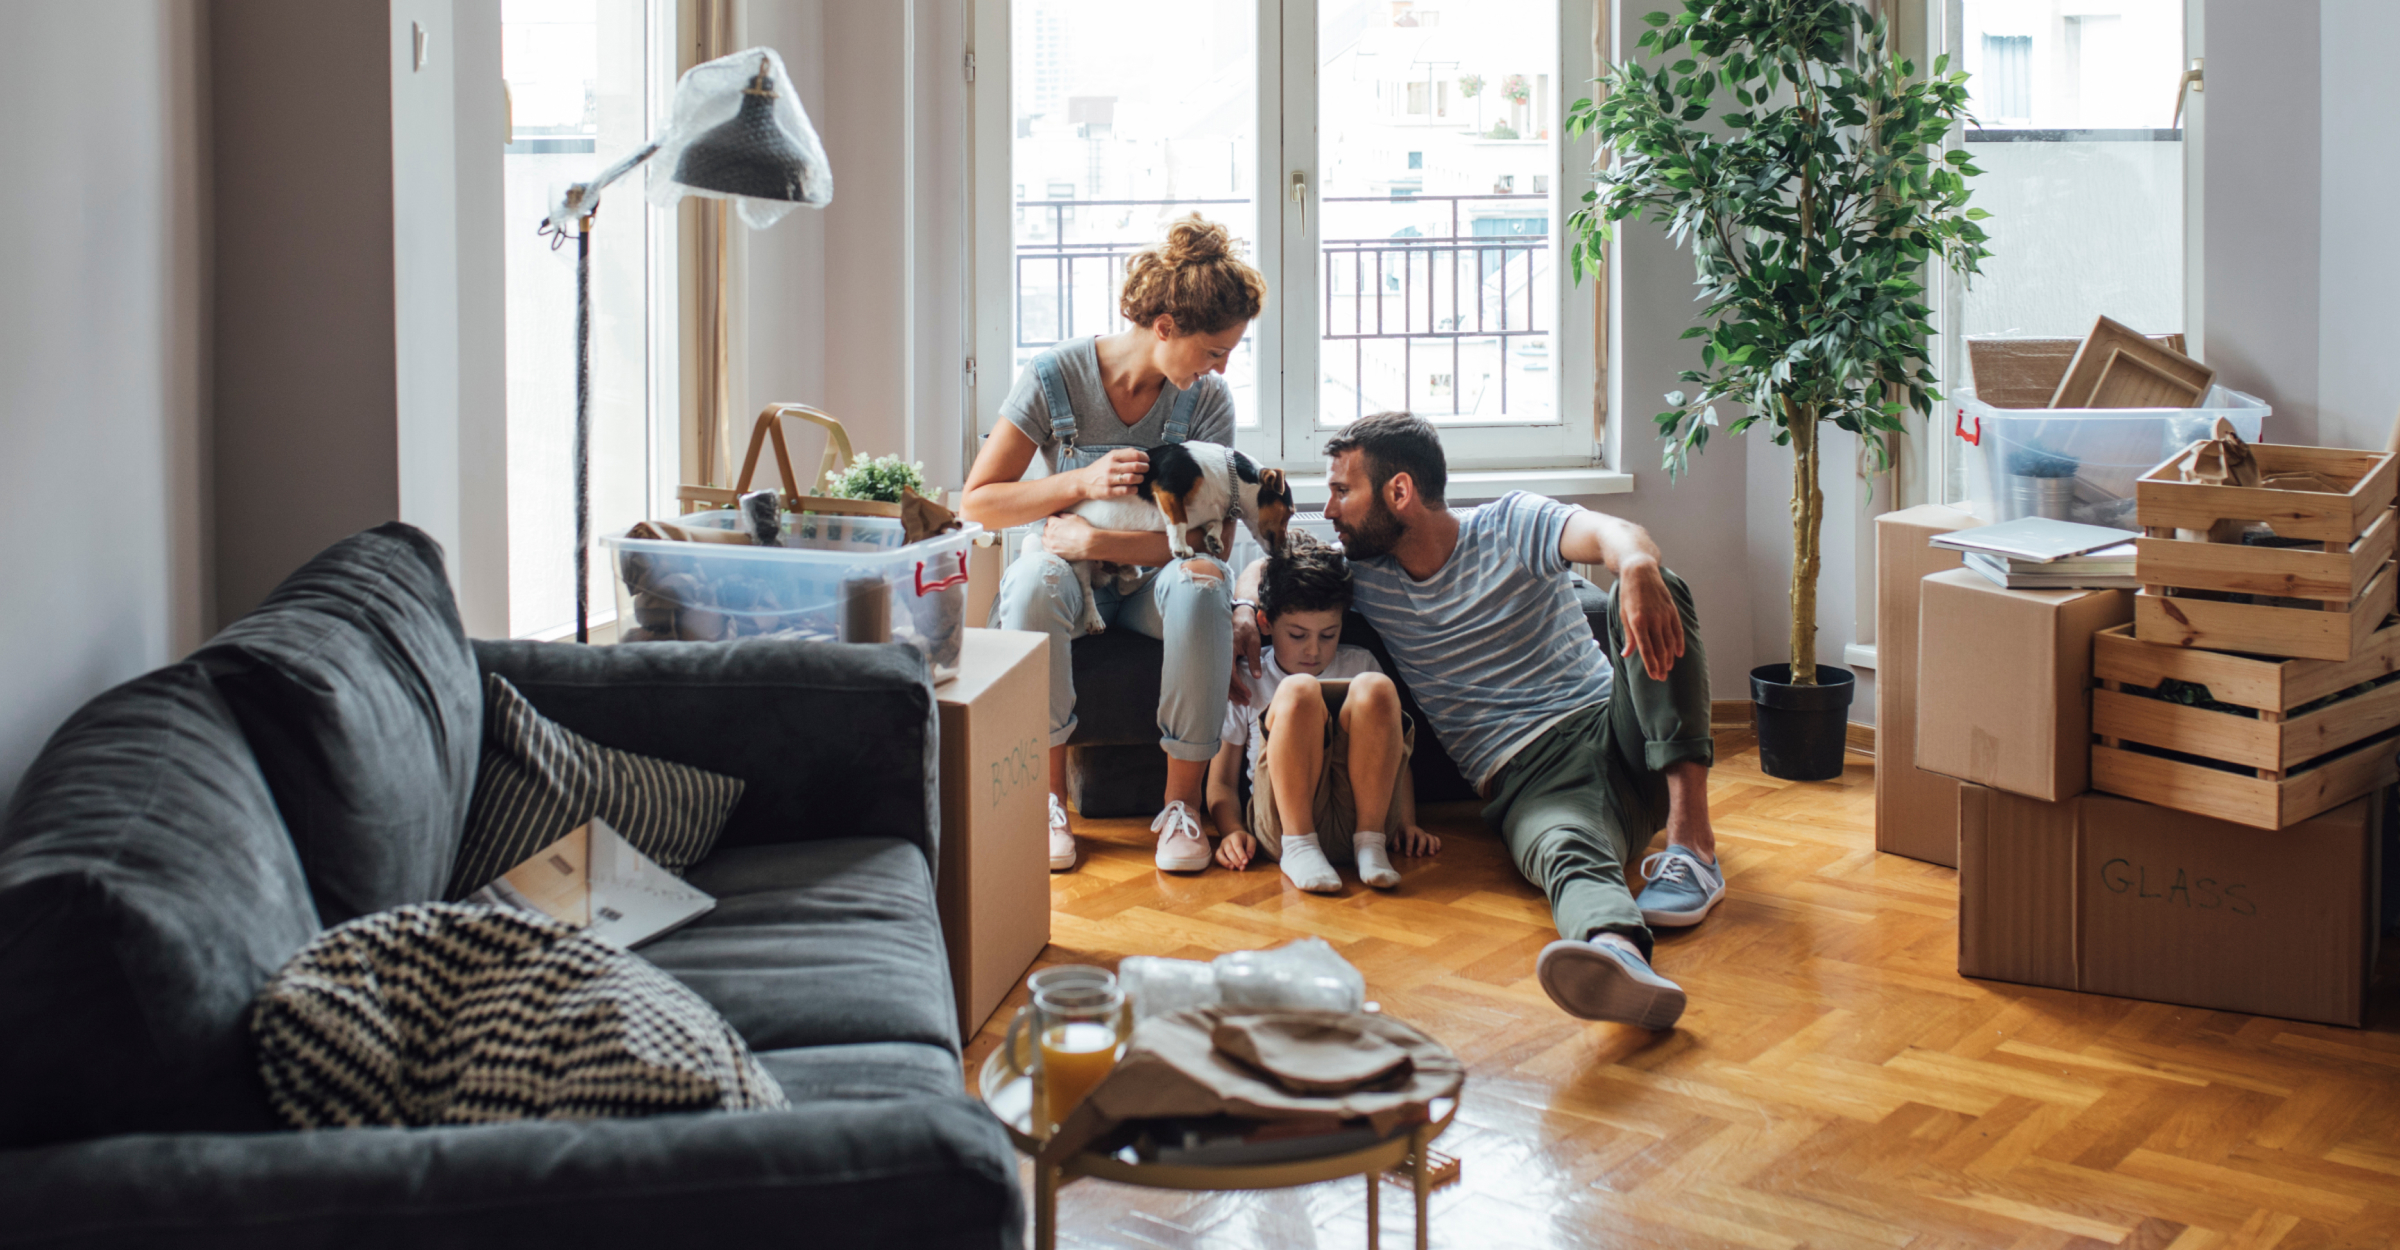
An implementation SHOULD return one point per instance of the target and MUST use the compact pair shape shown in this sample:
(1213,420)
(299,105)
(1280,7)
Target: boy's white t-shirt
(1241,720)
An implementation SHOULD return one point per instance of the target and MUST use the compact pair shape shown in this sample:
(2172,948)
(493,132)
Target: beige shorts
(1335,807)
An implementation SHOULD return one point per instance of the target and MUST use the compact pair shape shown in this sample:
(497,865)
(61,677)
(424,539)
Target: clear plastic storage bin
(834,578)
(2079,464)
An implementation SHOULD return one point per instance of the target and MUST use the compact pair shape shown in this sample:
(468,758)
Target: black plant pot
(1802,730)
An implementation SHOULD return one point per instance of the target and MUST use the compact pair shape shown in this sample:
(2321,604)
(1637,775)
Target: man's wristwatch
(1251,604)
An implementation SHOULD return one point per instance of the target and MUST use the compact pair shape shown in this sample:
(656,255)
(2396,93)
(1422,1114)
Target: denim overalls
(1192,615)
(1062,415)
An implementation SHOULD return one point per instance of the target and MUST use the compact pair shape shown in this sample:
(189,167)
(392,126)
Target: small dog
(1189,484)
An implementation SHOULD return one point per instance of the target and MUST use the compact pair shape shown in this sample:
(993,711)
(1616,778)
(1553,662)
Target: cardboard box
(994,888)
(985,559)
(2006,680)
(2111,896)
(1916,812)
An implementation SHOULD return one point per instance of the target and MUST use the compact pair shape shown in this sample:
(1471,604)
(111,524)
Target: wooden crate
(2290,767)
(2355,534)
(2165,502)
(2336,574)
(2264,629)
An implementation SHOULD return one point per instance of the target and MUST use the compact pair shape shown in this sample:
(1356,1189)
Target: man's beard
(1374,535)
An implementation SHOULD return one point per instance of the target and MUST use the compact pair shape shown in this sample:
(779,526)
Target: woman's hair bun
(1197,277)
(1194,241)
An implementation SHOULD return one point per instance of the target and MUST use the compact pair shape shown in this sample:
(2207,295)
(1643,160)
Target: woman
(1088,407)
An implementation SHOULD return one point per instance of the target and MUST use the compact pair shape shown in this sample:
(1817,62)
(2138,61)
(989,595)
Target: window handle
(1300,197)
(2194,79)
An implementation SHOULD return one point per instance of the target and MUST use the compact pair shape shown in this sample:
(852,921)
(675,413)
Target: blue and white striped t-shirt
(1494,645)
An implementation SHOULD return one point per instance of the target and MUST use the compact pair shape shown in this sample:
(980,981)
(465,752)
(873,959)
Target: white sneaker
(1181,845)
(1062,838)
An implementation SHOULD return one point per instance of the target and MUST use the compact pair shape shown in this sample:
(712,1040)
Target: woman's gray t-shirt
(1096,423)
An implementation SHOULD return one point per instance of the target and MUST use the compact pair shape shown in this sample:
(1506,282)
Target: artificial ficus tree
(1800,160)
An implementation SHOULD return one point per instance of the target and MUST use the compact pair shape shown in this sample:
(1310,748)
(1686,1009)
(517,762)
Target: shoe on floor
(1062,838)
(1602,981)
(1181,845)
(1682,890)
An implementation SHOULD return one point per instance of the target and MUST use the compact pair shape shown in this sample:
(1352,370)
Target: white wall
(103,229)
(2358,291)
(860,309)
(305,446)
(2261,201)
(778,346)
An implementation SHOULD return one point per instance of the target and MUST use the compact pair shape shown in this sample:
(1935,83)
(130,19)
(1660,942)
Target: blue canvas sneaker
(1682,890)
(1603,981)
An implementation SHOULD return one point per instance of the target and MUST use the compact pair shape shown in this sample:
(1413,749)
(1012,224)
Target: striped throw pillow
(538,782)
(453,1013)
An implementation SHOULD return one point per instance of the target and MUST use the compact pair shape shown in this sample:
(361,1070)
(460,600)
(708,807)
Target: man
(1580,756)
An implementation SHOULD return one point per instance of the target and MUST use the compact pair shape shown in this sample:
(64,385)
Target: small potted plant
(1799,158)
(880,479)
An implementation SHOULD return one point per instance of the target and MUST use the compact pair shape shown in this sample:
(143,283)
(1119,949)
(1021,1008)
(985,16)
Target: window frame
(1942,459)
(658,232)
(1285,433)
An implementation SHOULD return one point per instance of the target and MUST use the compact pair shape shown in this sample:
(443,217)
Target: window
(2005,93)
(588,82)
(1395,167)
(2083,173)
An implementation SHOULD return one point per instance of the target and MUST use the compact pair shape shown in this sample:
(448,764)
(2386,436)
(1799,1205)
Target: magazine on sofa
(594,880)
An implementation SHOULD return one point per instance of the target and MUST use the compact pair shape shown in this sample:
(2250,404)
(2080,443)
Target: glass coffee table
(1008,1091)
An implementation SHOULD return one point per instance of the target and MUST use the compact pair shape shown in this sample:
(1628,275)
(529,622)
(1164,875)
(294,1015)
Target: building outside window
(1417,267)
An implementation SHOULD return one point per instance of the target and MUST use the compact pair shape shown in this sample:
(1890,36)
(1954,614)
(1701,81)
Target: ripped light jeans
(1190,613)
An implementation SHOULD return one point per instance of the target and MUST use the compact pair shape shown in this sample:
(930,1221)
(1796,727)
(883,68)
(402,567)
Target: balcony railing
(1422,284)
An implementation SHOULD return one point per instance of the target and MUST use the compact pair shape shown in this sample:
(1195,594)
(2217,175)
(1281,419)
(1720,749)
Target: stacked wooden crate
(2295,646)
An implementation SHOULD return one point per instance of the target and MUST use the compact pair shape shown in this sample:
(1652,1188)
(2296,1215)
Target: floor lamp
(736,133)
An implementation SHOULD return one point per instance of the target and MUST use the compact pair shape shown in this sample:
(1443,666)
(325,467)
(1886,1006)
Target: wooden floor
(1834,1082)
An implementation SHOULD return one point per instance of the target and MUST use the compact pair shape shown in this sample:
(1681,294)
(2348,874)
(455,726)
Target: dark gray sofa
(183,834)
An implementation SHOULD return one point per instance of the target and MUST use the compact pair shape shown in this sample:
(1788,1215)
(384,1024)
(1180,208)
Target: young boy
(1322,740)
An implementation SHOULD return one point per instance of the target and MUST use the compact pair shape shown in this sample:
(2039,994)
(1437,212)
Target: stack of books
(2036,553)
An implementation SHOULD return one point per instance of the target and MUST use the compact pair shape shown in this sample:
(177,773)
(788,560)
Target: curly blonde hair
(1197,276)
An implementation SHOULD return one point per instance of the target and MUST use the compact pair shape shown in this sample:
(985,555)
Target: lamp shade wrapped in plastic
(738,132)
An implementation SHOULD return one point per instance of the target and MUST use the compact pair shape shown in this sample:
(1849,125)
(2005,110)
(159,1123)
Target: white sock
(1305,863)
(1374,860)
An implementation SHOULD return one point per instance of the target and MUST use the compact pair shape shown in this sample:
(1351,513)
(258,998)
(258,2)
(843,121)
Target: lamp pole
(583,428)
(582,202)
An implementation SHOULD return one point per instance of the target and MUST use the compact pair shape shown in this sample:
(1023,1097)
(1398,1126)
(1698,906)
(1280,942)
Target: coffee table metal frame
(1008,1092)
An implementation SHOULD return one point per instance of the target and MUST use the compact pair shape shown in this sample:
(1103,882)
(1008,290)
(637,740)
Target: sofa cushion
(360,696)
(455,1013)
(867,1070)
(818,944)
(845,732)
(146,891)
(539,781)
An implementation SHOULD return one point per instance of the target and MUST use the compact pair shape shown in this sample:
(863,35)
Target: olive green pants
(1578,805)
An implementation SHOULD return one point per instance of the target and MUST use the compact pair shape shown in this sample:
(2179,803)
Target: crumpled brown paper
(2224,460)
(1173,1067)
(1309,1052)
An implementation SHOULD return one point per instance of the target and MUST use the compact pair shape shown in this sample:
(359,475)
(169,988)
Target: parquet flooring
(1834,1082)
